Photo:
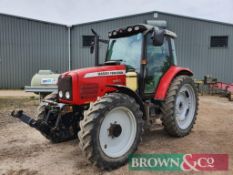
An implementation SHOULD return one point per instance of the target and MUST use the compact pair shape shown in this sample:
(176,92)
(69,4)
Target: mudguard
(128,91)
(166,80)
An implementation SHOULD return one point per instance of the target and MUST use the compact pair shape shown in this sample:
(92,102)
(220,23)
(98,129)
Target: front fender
(129,92)
(166,80)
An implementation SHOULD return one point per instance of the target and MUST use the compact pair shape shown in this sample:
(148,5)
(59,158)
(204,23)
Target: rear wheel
(111,130)
(180,107)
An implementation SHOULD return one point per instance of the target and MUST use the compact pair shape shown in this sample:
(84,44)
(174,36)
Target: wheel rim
(117,132)
(185,106)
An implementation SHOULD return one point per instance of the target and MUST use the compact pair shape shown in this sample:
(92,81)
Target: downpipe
(69,48)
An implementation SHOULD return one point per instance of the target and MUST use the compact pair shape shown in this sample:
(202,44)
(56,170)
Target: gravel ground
(23,150)
(16,93)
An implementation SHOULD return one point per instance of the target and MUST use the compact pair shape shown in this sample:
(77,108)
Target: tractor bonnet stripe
(104,73)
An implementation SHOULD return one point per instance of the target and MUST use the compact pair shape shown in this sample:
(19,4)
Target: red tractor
(108,105)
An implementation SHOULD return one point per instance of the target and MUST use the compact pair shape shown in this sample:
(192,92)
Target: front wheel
(111,130)
(68,126)
(180,107)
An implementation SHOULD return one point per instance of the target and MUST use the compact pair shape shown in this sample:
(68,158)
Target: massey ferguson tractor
(109,105)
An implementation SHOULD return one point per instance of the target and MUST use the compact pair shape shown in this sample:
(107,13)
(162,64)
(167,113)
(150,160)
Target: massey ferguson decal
(104,73)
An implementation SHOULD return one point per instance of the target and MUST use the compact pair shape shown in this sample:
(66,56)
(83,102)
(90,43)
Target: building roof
(31,19)
(120,17)
(159,12)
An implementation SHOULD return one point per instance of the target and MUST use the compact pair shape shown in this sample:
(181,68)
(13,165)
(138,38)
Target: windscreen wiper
(113,62)
(117,60)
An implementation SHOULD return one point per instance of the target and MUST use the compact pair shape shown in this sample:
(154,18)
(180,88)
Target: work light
(130,29)
(136,28)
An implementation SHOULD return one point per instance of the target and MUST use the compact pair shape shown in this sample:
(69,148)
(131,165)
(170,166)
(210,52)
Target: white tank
(44,82)
(44,78)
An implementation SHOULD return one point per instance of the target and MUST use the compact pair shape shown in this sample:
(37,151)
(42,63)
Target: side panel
(166,80)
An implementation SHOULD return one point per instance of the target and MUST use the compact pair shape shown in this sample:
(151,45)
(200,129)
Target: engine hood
(100,71)
(90,83)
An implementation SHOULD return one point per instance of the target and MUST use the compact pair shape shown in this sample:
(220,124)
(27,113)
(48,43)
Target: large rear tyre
(180,107)
(111,130)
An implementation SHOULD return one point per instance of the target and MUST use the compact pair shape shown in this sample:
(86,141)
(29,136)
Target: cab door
(159,59)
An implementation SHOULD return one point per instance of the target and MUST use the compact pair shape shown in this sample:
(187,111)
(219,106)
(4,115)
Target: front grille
(88,91)
(64,85)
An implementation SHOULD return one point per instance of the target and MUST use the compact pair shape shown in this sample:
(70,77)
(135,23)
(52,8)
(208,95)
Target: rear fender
(167,79)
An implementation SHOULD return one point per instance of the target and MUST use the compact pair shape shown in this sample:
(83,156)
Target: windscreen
(126,49)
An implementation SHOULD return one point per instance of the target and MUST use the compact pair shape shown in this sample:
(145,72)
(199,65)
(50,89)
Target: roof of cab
(166,32)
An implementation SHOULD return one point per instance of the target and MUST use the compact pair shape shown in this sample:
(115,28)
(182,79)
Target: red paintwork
(166,80)
(78,80)
(98,84)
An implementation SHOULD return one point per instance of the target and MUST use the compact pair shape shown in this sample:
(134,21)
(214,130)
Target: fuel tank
(85,85)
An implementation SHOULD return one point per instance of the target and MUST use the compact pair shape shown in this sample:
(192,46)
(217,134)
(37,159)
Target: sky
(80,11)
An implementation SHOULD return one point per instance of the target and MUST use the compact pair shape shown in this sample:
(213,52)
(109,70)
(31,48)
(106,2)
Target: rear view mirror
(158,37)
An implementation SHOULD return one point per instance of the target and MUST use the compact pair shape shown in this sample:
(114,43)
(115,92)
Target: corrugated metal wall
(193,47)
(192,44)
(27,46)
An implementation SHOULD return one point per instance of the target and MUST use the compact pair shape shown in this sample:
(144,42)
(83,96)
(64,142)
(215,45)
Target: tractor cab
(146,50)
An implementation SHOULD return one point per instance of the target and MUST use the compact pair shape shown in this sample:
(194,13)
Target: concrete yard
(23,150)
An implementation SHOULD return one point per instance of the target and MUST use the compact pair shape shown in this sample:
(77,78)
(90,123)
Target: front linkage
(56,125)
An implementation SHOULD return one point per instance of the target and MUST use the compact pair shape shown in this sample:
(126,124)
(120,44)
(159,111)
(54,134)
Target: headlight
(60,94)
(67,95)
